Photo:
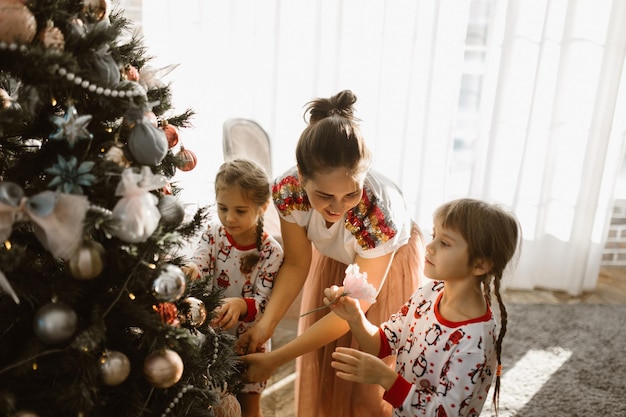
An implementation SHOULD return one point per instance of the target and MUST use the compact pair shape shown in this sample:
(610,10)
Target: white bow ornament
(136,213)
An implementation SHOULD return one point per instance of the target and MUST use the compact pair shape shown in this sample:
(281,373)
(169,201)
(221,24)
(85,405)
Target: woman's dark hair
(333,138)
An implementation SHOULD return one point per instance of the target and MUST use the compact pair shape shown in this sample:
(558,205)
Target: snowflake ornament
(70,177)
(71,126)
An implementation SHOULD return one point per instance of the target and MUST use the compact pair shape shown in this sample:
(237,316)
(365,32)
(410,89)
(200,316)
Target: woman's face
(333,193)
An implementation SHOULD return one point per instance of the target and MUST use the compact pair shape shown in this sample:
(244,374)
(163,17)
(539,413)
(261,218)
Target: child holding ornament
(240,256)
(445,337)
(334,211)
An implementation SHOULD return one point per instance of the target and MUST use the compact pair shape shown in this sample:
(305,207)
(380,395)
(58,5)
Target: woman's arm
(262,366)
(287,285)
(328,328)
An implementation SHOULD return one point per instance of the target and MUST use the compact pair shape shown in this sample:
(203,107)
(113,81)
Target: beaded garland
(71,77)
(185,388)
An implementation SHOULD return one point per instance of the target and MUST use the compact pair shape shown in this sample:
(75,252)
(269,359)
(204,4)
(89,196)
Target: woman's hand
(342,305)
(227,315)
(356,366)
(260,367)
(252,340)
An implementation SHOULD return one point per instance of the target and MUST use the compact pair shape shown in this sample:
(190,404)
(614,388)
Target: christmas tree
(97,317)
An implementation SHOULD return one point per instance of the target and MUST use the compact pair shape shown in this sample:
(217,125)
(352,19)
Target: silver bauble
(115,367)
(147,143)
(192,312)
(170,285)
(11,194)
(55,323)
(172,211)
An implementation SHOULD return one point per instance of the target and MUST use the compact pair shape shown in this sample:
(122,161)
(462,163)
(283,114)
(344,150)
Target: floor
(277,400)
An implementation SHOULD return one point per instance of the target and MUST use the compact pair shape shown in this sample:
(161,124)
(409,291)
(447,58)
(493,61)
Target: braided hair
(254,182)
(491,233)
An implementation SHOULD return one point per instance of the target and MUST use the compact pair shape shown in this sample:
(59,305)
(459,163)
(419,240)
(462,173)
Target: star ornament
(71,126)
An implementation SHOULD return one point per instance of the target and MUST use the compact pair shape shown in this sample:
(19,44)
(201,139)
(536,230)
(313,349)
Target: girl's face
(447,256)
(238,214)
(333,193)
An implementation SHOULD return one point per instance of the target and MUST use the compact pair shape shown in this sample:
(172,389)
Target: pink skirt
(318,392)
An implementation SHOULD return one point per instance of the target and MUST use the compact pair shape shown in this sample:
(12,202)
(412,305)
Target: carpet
(563,360)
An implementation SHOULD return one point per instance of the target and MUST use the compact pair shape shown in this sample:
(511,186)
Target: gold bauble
(115,367)
(25,413)
(227,407)
(97,10)
(5,99)
(163,368)
(17,23)
(88,261)
(52,38)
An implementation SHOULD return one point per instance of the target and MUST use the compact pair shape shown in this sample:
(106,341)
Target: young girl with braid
(240,256)
(446,338)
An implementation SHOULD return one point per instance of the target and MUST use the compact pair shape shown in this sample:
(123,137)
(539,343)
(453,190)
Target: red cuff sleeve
(398,392)
(251,310)
(385,349)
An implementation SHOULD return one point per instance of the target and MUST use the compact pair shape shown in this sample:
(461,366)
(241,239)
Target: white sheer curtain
(554,132)
(543,132)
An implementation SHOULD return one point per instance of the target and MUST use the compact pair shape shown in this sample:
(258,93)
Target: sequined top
(379,224)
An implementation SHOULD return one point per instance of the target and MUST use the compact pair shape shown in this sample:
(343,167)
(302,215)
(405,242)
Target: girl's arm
(267,269)
(287,285)
(349,309)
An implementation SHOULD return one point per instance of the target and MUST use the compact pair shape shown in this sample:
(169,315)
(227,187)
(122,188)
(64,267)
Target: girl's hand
(356,366)
(227,315)
(191,270)
(342,305)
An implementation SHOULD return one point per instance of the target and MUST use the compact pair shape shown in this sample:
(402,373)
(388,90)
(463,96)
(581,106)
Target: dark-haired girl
(446,337)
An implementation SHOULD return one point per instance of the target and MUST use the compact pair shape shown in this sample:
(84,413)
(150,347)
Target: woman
(334,211)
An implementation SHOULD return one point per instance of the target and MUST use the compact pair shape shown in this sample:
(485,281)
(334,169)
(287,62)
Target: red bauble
(171,133)
(17,23)
(168,313)
(188,159)
(130,73)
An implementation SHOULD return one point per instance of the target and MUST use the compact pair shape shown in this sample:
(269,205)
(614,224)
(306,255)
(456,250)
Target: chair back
(246,138)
